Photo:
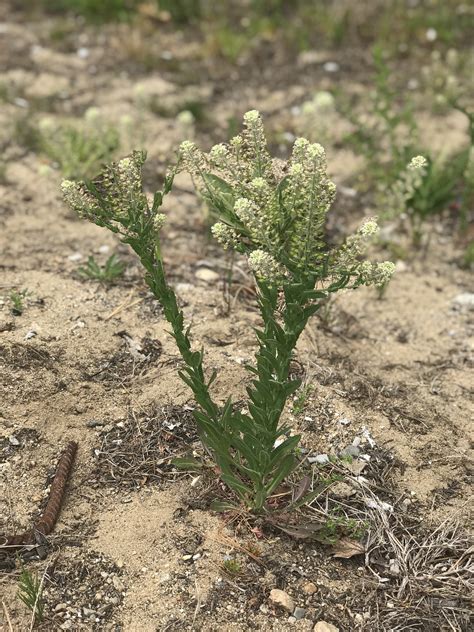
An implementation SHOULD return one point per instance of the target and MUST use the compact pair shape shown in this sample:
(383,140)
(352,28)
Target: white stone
(323,626)
(464,300)
(281,598)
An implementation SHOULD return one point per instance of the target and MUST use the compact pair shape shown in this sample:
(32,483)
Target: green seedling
(112,270)
(300,401)
(30,591)
(17,299)
(231,565)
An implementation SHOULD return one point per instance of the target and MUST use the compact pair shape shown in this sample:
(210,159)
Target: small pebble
(323,626)
(281,598)
(95,423)
(350,450)
(310,588)
(319,458)
(299,613)
(331,66)
(204,274)
(464,301)
(118,584)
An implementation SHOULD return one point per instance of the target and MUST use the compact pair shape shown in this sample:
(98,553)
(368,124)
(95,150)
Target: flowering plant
(273,213)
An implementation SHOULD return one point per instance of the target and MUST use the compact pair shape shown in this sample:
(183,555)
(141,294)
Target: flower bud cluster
(225,235)
(265,267)
(396,200)
(377,274)
(116,198)
(275,212)
(79,199)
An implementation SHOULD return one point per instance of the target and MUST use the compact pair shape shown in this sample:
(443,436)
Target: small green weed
(78,149)
(337,526)
(182,11)
(17,300)
(388,127)
(30,591)
(232,565)
(300,401)
(113,269)
(468,257)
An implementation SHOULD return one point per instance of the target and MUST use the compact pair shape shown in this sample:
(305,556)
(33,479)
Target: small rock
(319,458)
(310,588)
(344,421)
(163,578)
(76,257)
(351,450)
(291,619)
(323,626)
(67,625)
(204,274)
(281,598)
(95,423)
(13,440)
(299,613)
(118,584)
(342,490)
(331,66)
(60,607)
(464,301)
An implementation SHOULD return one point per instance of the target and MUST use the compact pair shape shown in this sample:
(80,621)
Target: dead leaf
(301,490)
(347,548)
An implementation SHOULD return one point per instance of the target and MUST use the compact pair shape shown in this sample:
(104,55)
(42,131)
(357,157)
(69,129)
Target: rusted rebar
(47,520)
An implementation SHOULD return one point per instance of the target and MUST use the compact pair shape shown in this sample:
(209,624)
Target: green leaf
(285,467)
(187,463)
(223,506)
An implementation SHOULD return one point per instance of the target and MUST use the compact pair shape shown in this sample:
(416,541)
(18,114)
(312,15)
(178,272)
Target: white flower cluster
(378,274)
(418,162)
(265,266)
(275,212)
(225,235)
(79,199)
(347,257)
(396,199)
(117,198)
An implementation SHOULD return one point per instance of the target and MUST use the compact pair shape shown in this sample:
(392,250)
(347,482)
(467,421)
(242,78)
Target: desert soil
(137,547)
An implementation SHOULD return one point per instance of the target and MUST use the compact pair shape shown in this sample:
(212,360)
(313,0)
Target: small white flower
(185,118)
(323,100)
(224,234)
(251,117)
(218,153)
(159,221)
(418,162)
(264,266)
(369,227)
(245,210)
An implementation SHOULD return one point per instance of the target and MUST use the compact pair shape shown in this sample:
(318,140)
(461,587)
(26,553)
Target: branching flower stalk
(273,213)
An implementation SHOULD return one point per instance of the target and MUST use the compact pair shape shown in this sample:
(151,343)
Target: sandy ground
(143,552)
